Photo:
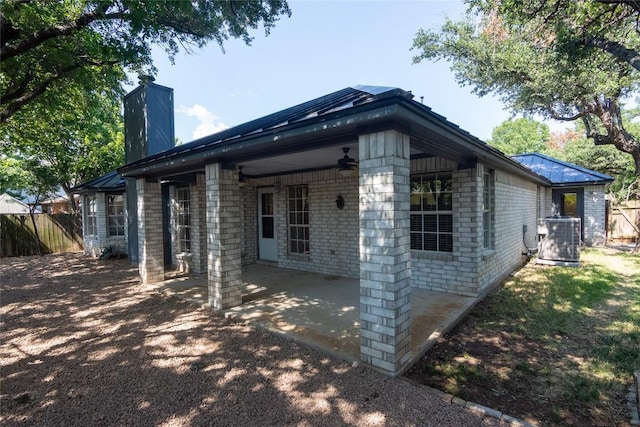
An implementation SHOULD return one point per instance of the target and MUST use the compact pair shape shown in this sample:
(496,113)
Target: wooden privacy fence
(624,221)
(58,233)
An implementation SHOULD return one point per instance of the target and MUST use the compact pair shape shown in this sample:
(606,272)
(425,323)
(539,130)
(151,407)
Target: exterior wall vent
(559,240)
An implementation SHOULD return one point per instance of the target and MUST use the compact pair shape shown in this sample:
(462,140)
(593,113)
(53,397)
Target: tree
(87,44)
(582,24)
(605,158)
(82,140)
(522,135)
(14,176)
(528,53)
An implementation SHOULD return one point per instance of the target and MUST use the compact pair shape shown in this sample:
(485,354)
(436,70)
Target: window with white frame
(90,218)
(115,215)
(299,219)
(183,219)
(488,209)
(432,213)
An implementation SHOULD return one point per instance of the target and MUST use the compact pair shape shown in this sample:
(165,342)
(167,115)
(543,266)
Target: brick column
(223,237)
(150,247)
(468,238)
(199,225)
(385,256)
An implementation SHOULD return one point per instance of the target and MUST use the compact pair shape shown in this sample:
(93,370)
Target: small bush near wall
(58,233)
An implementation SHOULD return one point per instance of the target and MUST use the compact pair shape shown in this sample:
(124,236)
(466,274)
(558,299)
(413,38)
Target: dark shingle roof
(108,182)
(559,172)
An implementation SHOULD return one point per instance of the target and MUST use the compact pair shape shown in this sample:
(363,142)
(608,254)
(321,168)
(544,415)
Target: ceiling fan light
(345,171)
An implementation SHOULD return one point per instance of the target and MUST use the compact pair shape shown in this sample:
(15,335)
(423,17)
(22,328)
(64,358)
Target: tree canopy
(540,58)
(88,44)
(518,136)
(62,66)
(82,140)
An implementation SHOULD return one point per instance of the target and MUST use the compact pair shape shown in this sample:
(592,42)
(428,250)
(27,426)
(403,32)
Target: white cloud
(209,122)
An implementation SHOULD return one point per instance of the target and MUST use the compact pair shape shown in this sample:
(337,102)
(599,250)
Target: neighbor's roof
(11,205)
(108,182)
(561,173)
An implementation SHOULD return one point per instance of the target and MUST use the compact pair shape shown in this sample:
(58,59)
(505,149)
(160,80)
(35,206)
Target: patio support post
(224,237)
(150,247)
(199,224)
(385,256)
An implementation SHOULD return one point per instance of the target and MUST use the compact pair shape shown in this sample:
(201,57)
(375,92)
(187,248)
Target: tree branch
(15,104)
(618,50)
(634,4)
(45,34)
(555,116)
(12,102)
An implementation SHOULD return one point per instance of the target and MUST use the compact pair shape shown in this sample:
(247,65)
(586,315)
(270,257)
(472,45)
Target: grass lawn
(553,346)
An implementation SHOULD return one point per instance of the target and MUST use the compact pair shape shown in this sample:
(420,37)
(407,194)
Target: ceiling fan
(346,165)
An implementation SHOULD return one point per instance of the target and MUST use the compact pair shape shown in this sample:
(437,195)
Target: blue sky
(325,46)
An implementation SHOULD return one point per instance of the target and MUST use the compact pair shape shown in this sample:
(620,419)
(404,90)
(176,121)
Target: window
(299,219)
(90,223)
(115,215)
(183,203)
(488,212)
(432,213)
(569,205)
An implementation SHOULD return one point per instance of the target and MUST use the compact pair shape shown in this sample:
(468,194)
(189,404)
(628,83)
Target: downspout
(530,251)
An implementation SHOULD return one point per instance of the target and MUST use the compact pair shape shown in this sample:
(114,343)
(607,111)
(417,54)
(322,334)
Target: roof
(561,173)
(315,108)
(11,205)
(329,120)
(109,182)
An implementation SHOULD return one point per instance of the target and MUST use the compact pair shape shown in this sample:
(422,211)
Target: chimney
(148,130)
(148,120)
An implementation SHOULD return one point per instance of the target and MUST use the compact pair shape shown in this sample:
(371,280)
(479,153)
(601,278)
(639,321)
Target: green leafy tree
(534,56)
(63,64)
(605,159)
(83,140)
(14,176)
(87,44)
(521,135)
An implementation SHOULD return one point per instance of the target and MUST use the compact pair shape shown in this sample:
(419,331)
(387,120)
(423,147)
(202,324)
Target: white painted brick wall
(224,237)
(249,224)
(94,244)
(333,232)
(470,269)
(150,244)
(385,256)
(595,233)
(516,205)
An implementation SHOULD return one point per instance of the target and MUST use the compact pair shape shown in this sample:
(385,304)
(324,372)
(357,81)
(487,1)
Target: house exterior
(104,214)
(364,182)
(9,205)
(56,205)
(575,192)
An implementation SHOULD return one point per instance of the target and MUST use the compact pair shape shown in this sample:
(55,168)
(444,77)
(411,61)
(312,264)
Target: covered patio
(321,311)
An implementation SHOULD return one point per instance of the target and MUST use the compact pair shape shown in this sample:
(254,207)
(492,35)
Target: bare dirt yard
(82,343)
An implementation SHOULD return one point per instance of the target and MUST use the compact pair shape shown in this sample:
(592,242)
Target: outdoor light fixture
(242,180)
(340,202)
(346,165)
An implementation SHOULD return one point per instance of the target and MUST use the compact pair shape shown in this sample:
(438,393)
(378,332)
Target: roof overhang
(313,143)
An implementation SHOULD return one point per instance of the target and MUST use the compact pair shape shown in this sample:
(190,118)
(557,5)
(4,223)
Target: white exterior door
(267,236)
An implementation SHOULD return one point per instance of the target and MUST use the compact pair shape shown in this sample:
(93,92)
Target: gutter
(278,139)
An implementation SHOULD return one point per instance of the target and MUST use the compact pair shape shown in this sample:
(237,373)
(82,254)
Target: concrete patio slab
(319,310)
